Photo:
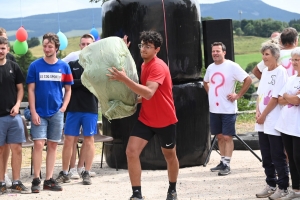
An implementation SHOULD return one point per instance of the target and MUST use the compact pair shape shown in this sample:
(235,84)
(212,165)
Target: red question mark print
(218,86)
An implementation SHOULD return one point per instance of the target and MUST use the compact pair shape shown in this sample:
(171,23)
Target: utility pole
(240,13)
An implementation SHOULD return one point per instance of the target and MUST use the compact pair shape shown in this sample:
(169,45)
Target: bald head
(275,34)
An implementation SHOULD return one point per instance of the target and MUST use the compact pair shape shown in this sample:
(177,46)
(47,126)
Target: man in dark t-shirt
(6,149)
(11,124)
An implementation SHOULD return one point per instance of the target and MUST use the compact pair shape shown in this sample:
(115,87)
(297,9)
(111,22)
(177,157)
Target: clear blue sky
(23,8)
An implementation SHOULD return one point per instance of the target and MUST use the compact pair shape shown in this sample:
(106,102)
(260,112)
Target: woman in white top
(288,123)
(272,81)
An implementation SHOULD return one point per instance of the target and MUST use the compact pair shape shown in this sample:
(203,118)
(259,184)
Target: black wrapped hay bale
(193,138)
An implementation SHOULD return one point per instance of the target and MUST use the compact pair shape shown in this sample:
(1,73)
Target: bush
(245,104)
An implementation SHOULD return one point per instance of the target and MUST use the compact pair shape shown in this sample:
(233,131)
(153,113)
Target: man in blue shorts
(11,124)
(219,83)
(46,77)
(81,112)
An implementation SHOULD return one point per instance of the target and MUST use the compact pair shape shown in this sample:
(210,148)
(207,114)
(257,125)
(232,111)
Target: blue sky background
(24,8)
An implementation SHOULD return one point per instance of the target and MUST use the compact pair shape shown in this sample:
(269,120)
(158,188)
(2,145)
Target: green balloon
(20,48)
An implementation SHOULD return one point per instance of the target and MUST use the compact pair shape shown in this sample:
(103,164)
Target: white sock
(227,161)
(222,159)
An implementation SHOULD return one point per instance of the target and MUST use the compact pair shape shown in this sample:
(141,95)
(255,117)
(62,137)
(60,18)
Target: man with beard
(46,78)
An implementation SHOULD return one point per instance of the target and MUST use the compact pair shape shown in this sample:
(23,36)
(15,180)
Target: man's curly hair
(152,37)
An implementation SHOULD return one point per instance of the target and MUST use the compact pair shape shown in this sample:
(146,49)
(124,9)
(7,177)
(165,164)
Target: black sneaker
(172,195)
(52,185)
(19,188)
(3,188)
(136,198)
(35,187)
(218,167)
(225,171)
(86,178)
(63,178)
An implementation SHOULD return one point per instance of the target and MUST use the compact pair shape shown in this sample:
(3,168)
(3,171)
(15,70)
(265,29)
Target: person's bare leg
(74,153)
(134,148)
(221,144)
(2,172)
(172,163)
(16,160)
(229,145)
(6,156)
(67,152)
(88,152)
(50,159)
(37,157)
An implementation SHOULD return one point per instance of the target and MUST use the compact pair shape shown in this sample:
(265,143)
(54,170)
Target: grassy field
(244,59)
(246,49)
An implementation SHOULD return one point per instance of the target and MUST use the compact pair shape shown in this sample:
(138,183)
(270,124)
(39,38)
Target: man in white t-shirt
(289,40)
(219,82)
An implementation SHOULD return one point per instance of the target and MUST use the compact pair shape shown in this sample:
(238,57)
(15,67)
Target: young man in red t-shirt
(157,115)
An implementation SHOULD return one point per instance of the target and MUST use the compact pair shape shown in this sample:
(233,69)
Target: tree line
(261,27)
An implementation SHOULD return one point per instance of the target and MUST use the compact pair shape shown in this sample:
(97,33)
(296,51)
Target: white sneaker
(279,194)
(82,169)
(292,195)
(73,174)
(8,182)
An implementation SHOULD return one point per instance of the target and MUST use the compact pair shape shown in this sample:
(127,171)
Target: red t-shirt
(159,111)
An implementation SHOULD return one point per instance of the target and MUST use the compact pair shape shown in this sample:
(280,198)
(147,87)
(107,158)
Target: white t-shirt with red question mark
(222,79)
(270,85)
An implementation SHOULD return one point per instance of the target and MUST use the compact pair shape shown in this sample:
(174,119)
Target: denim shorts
(49,129)
(222,123)
(75,120)
(11,130)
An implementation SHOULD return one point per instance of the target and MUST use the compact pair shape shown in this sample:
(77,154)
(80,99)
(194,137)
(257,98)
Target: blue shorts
(49,129)
(222,124)
(75,120)
(11,130)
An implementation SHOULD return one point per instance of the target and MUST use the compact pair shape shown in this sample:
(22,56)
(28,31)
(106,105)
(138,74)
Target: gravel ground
(197,182)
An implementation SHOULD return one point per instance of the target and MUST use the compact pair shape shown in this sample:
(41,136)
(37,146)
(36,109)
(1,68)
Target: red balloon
(21,34)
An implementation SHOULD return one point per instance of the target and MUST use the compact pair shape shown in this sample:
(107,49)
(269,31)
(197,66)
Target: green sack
(115,98)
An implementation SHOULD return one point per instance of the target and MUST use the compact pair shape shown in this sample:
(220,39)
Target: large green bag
(115,98)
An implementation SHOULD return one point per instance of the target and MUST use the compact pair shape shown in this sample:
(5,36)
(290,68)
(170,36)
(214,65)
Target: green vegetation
(246,118)
(244,59)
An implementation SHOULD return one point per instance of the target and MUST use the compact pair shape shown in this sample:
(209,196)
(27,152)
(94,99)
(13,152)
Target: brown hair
(3,40)
(88,36)
(52,37)
(219,44)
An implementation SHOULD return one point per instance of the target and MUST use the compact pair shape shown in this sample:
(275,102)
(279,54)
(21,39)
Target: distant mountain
(75,23)
(250,9)
(70,22)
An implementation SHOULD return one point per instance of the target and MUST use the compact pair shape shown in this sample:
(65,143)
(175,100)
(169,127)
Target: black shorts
(166,135)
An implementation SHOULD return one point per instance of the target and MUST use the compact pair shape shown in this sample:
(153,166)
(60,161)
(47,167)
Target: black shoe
(63,178)
(136,198)
(225,171)
(52,185)
(19,188)
(86,178)
(3,188)
(35,187)
(218,167)
(172,195)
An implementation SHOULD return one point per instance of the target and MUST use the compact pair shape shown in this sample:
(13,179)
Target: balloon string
(93,17)
(166,33)
(58,16)
(21,13)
